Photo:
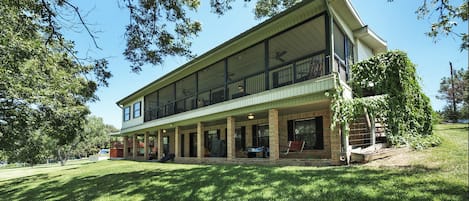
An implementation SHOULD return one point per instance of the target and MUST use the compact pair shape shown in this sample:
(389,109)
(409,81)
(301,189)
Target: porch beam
(273,134)
(230,128)
(200,140)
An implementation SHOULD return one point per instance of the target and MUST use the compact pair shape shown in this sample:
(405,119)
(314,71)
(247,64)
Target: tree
(45,87)
(94,137)
(448,93)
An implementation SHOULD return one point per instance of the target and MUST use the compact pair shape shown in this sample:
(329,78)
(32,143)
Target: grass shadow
(231,182)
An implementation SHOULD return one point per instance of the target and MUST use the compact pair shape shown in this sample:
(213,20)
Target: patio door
(166,145)
(192,144)
(260,135)
(182,145)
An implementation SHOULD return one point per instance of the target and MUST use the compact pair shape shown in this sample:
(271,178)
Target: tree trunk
(62,159)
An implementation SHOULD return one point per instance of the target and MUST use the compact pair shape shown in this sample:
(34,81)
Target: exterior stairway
(360,133)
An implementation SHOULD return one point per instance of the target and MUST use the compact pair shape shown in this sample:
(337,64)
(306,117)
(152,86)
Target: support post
(346,152)
(200,140)
(126,147)
(373,130)
(176,142)
(231,147)
(160,144)
(273,134)
(145,146)
(134,148)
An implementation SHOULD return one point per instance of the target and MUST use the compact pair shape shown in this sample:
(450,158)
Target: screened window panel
(166,95)
(281,76)
(310,68)
(203,99)
(339,39)
(246,63)
(236,90)
(255,84)
(211,77)
(151,106)
(185,87)
(298,42)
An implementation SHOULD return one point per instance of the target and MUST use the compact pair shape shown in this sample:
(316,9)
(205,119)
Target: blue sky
(395,22)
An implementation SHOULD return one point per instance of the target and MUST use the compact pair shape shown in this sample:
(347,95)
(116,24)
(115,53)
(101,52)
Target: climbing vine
(386,85)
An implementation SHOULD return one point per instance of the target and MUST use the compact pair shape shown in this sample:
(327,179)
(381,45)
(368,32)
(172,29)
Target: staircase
(360,134)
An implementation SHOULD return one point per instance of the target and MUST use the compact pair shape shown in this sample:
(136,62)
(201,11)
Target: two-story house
(246,99)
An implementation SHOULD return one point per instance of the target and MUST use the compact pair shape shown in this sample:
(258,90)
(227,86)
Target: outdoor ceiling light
(164,130)
(250,116)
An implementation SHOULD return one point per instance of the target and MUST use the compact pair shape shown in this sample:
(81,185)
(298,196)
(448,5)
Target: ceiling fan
(279,54)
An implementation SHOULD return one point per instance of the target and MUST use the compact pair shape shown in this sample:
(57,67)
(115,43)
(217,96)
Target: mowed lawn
(439,173)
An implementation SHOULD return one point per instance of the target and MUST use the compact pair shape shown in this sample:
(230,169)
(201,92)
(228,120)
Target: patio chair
(295,146)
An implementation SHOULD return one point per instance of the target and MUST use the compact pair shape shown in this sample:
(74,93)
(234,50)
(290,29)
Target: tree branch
(77,12)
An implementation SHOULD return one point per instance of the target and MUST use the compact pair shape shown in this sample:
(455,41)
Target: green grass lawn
(439,173)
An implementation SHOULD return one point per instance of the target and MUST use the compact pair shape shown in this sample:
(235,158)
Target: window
(308,130)
(127,113)
(260,137)
(137,109)
(240,139)
(213,144)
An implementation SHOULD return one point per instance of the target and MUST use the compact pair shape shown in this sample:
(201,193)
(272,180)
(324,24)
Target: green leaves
(158,29)
(44,88)
(448,17)
(393,93)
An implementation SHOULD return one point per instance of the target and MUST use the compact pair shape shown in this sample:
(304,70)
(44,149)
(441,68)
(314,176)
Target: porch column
(176,142)
(160,144)
(200,141)
(145,147)
(335,139)
(273,134)
(230,129)
(134,148)
(126,147)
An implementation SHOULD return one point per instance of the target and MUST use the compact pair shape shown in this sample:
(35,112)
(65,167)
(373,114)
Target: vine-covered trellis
(394,93)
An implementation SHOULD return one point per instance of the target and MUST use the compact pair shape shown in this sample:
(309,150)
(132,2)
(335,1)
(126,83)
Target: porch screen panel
(298,42)
(151,106)
(255,84)
(185,93)
(310,68)
(166,101)
(211,82)
(247,67)
(339,42)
